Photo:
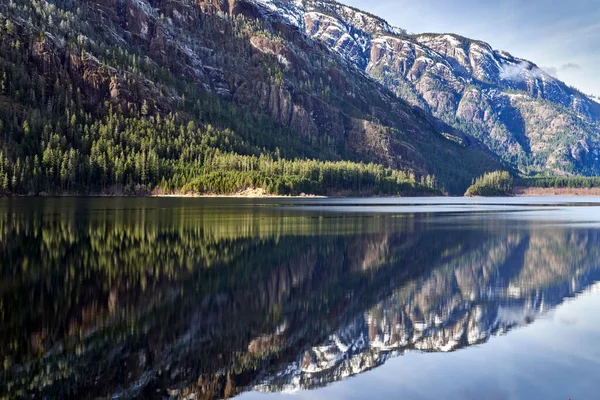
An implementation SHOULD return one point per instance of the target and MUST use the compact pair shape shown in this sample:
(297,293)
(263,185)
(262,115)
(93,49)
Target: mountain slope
(140,92)
(528,118)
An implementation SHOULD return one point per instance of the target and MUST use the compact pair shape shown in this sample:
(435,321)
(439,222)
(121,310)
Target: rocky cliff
(531,120)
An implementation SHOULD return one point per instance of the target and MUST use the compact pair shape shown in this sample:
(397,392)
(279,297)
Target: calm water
(325,299)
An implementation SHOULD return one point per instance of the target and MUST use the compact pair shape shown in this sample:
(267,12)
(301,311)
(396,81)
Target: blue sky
(561,36)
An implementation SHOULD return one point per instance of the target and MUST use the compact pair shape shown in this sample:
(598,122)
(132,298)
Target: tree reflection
(168,301)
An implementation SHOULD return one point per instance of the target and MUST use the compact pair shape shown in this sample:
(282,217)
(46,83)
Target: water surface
(323,298)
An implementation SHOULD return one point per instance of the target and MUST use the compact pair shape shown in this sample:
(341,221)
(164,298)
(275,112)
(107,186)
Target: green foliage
(230,173)
(121,154)
(53,142)
(497,183)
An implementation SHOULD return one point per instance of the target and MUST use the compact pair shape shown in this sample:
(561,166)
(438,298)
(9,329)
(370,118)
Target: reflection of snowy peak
(414,318)
(510,104)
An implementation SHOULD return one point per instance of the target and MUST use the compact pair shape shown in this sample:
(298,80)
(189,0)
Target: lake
(384,298)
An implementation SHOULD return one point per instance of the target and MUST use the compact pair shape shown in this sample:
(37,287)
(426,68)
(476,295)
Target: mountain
(531,120)
(140,96)
(168,95)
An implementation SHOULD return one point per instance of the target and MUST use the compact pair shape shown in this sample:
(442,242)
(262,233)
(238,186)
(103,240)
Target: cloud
(554,71)
(551,70)
(524,69)
(569,66)
(520,72)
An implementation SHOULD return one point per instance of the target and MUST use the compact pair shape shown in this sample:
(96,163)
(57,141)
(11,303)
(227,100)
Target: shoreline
(222,196)
(520,191)
(248,194)
(261,194)
(172,196)
(251,193)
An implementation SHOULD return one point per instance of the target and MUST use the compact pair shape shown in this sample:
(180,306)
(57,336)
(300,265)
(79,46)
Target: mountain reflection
(146,299)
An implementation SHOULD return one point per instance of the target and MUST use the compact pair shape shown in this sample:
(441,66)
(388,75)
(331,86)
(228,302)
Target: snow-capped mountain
(311,78)
(530,119)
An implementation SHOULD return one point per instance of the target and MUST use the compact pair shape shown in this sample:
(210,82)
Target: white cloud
(520,72)
(569,66)
(551,70)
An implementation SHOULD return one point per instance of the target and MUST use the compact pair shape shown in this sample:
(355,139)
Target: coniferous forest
(57,146)
(81,113)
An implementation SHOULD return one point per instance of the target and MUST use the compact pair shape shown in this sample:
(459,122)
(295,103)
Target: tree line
(158,153)
(573,182)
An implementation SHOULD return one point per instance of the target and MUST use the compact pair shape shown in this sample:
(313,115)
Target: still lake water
(300,298)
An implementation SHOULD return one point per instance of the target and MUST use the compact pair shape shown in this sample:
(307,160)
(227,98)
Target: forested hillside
(138,96)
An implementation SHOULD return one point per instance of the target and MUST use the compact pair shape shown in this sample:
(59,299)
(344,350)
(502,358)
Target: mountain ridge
(531,120)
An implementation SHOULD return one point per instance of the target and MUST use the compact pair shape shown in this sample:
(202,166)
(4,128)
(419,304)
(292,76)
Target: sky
(560,36)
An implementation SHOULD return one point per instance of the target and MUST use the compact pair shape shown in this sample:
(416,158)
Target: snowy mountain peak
(528,118)
(296,12)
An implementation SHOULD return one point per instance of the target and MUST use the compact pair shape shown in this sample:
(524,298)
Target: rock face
(531,120)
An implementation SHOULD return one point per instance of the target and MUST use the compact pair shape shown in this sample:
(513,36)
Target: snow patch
(291,11)
(454,42)
(145,7)
(515,316)
(144,30)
